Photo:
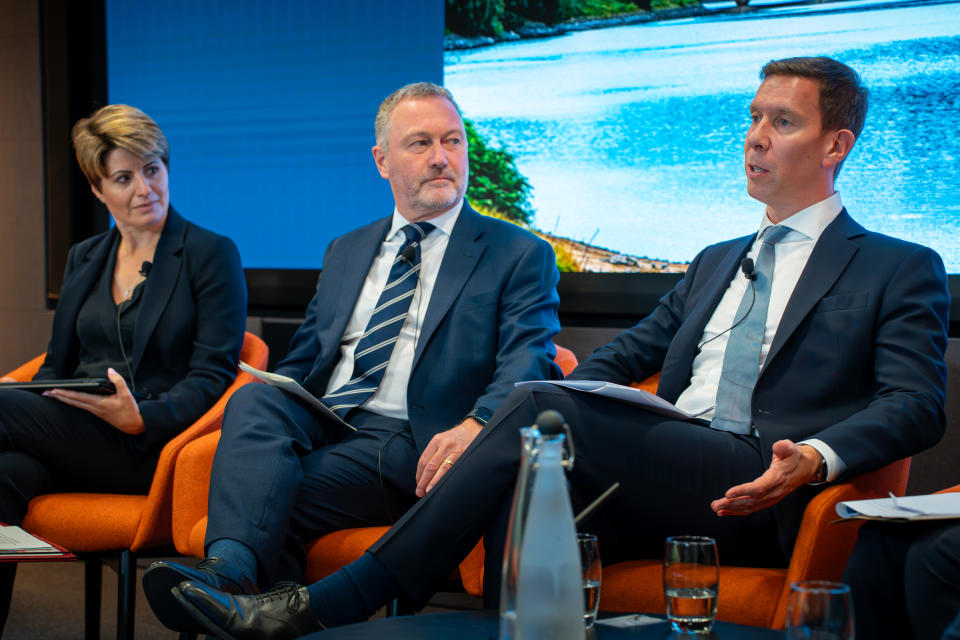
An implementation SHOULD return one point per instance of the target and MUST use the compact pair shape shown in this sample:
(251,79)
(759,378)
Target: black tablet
(100,386)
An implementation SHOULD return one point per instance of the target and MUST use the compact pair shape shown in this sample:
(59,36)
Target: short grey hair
(407,92)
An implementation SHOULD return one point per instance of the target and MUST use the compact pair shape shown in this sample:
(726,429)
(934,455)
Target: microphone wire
(753,299)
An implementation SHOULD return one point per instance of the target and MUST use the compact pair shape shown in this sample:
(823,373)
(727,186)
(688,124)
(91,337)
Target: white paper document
(937,506)
(14,540)
(630,395)
(293,387)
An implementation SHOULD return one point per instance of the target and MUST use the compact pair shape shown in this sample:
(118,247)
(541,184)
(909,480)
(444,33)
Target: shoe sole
(198,617)
(159,584)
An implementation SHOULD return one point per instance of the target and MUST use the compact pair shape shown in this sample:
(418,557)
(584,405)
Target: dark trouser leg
(876,572)
(932,580)
(669,472)
(258,469)
(48,446)
(366,479)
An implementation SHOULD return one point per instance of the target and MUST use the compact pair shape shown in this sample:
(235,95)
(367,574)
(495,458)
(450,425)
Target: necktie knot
(773,235)
(417,231)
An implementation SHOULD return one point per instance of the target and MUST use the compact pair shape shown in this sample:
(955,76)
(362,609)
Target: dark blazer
(490,323)
(189,328)
(857,361)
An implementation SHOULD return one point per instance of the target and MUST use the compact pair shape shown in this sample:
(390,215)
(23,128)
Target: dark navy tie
(373,351)
(741,358)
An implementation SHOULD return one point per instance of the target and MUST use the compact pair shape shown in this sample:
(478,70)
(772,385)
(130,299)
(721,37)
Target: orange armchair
(325,554)
(750,596)
(758,597)
(96,524)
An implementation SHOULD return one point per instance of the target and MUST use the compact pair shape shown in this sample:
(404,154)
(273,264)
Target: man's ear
(841,142)
(380,159)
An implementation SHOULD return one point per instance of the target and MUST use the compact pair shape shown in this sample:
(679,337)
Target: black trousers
(905,579)
(669,472)
(47,446)
(283,474)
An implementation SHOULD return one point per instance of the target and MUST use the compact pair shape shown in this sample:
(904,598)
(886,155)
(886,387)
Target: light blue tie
(373,351)
(741,360)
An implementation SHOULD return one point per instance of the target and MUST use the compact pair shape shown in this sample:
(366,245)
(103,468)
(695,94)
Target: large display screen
(269,108)
(631,136)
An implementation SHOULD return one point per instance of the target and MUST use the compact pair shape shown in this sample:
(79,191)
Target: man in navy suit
(845,374)
(481,318)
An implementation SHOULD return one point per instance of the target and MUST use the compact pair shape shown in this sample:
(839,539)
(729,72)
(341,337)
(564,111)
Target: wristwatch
(821,470)
(481,415)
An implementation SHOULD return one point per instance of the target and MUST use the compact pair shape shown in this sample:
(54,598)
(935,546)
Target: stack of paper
(629,395)
(937,506)
(17,543)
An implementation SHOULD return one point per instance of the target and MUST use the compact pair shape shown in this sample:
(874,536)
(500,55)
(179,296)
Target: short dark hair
(843,98)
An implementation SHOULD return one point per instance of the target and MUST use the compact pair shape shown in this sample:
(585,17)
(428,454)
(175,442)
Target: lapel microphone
(746,266)
(407,254)
(146,266)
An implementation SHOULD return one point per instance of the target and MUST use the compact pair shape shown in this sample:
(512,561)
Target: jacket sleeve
(905,413)
(220,297)
(528,321)
(47,371)
(639,352)
(305,344)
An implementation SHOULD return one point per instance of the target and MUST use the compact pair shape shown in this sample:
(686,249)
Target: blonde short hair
(407,92)
(116,126)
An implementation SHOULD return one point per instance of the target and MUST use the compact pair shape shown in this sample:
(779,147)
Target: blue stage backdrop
(269,108)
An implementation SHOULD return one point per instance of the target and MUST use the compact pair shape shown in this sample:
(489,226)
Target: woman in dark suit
(156,304)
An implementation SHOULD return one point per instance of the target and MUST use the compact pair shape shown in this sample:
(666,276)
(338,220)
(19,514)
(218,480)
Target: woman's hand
(120,409)
(8,379)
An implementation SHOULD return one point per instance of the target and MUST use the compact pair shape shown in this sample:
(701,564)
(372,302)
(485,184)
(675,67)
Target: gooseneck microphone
(146,266)
(746,266)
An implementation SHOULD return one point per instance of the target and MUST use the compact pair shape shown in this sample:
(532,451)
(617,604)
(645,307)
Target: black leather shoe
(161,577)
(279,614)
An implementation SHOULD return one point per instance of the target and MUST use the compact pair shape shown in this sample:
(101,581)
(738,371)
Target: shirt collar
(443,222)
(811,221)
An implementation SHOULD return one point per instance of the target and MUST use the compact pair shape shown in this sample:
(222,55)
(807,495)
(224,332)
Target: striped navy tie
(373,351)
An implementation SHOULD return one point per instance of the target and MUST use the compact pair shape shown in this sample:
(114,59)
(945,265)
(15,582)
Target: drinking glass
(690,577)
(820,610)
(590,564)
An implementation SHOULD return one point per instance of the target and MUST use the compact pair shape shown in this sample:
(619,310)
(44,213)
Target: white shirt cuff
(835,466)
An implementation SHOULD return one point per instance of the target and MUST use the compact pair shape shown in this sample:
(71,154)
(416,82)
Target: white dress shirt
(792,253)
(390,398)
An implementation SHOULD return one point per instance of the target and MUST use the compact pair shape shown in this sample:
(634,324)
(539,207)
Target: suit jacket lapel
(717,284)
(355,269)
(829,258)
(167,265)
(702,301)
(72,296)
(464,249)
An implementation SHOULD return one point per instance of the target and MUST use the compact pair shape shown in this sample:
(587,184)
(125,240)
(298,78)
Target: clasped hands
(119,409)
(792,466)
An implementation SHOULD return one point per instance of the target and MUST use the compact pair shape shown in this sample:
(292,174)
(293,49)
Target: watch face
(481,414)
